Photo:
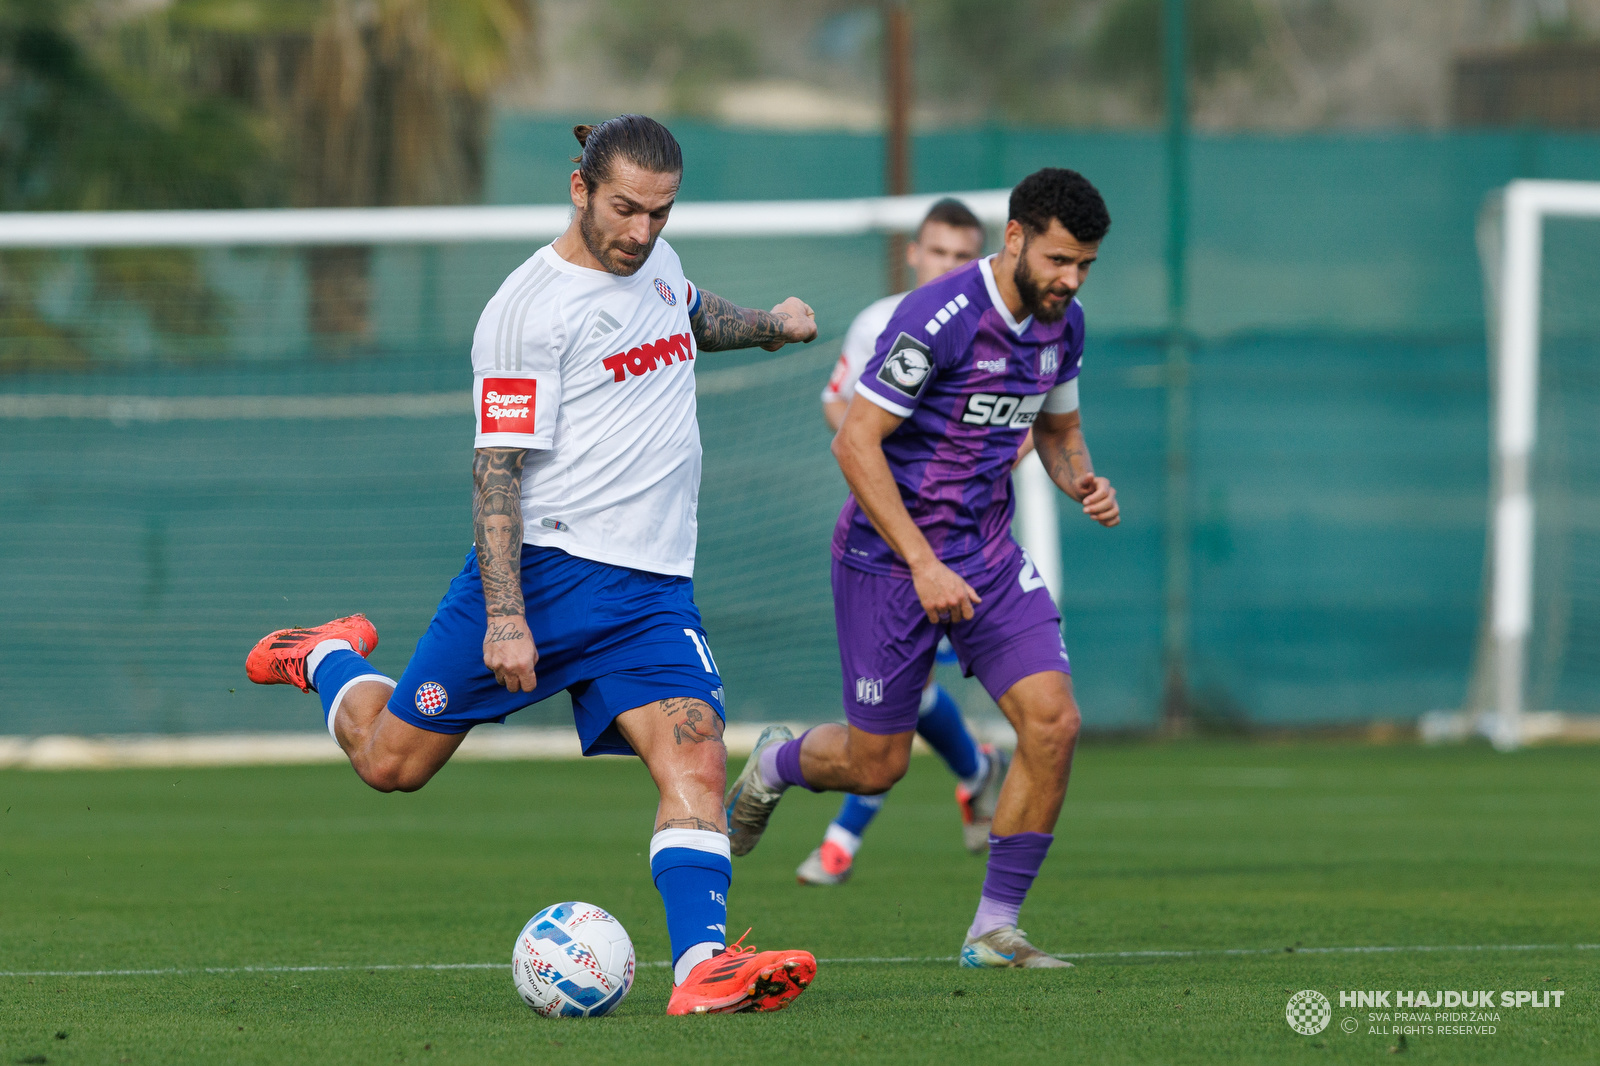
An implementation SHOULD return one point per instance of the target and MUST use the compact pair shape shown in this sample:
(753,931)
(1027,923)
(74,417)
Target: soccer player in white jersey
(950,236)
(585,476)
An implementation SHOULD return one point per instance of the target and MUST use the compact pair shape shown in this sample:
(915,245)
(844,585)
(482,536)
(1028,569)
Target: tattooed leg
(689,823)
(680,741)
(693,721)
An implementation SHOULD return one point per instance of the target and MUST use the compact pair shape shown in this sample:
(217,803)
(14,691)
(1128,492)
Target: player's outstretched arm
(944,594)
(720,326)
(1061,447)
(497,530)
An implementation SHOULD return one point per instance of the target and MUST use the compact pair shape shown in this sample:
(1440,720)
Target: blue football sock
(692,869)
(338,670)
(857,812)
(942,726)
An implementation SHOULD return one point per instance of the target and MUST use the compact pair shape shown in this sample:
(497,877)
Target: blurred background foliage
(236,103)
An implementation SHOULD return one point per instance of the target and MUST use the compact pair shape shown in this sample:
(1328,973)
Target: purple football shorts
(887,644)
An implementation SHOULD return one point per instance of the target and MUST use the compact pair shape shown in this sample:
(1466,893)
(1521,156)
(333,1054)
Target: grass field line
(1195,953)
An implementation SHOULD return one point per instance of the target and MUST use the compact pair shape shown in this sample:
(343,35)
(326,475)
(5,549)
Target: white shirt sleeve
(516,365)
(853,356)
(860,343)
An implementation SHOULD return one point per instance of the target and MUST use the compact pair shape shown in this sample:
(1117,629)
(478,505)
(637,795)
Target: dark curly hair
(642,141)
(1063,195)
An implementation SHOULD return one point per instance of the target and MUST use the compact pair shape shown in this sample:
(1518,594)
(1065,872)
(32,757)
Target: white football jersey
(859,341)
(594,374)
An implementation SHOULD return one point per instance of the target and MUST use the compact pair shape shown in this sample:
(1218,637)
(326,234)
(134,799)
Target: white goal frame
(1036,496)
(459,225)
(1525,206)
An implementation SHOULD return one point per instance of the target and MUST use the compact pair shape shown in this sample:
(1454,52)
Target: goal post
(1513,247)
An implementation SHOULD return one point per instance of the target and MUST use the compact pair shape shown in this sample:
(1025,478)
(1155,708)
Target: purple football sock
(1014,862)
(780,765)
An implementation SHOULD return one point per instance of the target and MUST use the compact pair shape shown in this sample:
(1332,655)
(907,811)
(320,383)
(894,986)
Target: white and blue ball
(572,960)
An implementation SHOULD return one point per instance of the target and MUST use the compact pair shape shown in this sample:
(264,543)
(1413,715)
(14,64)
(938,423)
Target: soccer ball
(572,960)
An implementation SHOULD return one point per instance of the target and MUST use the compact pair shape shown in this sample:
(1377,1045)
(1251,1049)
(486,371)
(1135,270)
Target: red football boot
(279,658)
(741,979)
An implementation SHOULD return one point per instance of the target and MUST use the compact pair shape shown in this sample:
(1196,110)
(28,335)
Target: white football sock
(338,697)
(692,958)
(319,653)
(975,782)
(838,834)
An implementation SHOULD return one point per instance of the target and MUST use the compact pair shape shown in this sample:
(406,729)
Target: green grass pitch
(1203,847)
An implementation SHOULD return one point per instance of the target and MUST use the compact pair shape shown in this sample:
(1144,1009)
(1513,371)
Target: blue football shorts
(614,638)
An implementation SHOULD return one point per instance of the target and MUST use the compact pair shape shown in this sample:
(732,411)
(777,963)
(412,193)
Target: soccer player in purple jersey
(950,236)
(923,547)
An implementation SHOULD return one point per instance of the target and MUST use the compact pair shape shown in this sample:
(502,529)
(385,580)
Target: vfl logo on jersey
(665,292)
(869,691)
(1049,360)
(431,698)
(647,357)
(507,405)
(1015,412)
(907,366)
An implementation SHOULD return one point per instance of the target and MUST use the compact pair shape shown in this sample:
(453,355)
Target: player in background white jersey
(950,236)
(585,477)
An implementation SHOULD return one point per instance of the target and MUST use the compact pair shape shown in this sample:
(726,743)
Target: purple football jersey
(969,380)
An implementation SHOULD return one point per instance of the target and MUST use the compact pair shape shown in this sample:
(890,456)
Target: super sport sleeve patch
(515,412)
(841,383)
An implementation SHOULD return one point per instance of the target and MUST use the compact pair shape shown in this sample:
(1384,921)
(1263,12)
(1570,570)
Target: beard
(1033,294)
(608,252)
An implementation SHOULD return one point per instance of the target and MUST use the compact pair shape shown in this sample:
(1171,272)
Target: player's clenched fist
(945,594)
(509,653)
(799,323)
(1099,500)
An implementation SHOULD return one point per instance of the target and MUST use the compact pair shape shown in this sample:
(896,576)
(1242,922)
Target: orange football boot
(279,658)
(741,979)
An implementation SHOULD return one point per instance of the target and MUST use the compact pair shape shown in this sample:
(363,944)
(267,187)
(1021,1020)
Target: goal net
(213,424)
(1538,656)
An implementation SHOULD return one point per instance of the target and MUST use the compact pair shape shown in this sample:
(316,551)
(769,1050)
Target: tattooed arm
(497,530)
(719,325)
(1059,440)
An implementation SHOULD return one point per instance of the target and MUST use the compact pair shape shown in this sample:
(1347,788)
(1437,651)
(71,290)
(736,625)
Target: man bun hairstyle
(1063,195)
(640,140)
(950,212)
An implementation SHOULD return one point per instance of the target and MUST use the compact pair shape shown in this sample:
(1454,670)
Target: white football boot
(977,807)
(749,801)
(1005,947)
(814,871)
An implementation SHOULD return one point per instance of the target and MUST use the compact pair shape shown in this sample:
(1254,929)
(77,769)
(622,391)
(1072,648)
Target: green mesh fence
(170,493)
